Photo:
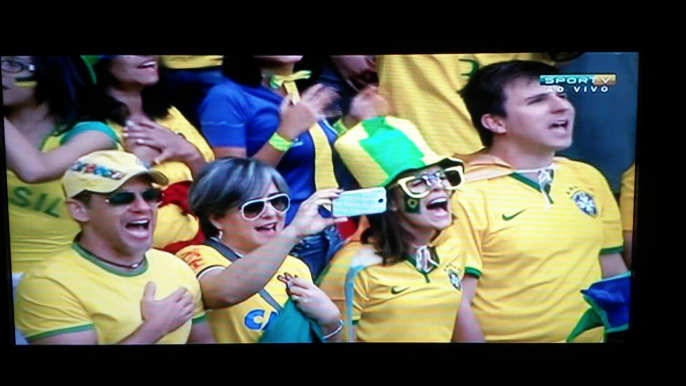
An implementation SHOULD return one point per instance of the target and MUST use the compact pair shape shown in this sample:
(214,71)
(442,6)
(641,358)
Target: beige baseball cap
(105,171)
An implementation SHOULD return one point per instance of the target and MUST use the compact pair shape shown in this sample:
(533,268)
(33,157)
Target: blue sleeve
(223,117)
(83,127)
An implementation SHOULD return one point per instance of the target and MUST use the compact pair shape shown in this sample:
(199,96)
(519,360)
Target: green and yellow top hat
(378,150)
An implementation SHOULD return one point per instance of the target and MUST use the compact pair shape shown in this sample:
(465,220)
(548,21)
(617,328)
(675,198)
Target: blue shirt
(234,115)
(605,127)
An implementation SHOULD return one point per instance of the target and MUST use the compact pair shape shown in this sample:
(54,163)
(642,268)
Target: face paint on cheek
(411,204)
(25,82)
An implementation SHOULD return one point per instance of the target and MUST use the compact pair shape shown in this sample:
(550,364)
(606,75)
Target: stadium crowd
(188,199)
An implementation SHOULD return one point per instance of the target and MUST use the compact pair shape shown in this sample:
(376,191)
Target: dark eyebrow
(536,97)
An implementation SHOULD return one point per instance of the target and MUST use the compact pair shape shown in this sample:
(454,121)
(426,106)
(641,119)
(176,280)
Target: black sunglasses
(150,196)
(12,66)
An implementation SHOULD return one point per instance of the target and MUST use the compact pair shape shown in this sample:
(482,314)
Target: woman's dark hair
(385,234)
(227,183)
(156,98)
(63,83)
(245,69)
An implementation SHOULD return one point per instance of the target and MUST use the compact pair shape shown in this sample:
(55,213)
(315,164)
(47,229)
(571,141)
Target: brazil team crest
(585,202)
(454,277)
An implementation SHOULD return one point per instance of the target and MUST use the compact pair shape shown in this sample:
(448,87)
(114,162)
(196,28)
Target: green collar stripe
(390,148)
(139,271)
(526,181)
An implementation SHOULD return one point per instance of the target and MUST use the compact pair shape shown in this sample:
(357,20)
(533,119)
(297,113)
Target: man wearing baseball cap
(110,287)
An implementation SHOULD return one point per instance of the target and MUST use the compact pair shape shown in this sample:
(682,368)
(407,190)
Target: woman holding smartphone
(402,281)
(258,112)
(245,271)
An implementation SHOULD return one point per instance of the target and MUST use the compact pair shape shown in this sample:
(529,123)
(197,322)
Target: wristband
(280,143)
(336,331)
(339,127)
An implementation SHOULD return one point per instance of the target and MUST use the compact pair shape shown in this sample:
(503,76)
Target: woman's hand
(171,146)
(308,221)
(365,105)
(298,118)
(314,303)
(357,71)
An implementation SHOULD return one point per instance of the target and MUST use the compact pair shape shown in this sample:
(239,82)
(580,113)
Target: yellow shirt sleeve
(471,224)
(182,126)
(609,211)
(360,290)
(193,287)
(46,308)
(626,199)
(201,258)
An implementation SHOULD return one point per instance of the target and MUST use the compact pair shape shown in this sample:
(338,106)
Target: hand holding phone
(359,202)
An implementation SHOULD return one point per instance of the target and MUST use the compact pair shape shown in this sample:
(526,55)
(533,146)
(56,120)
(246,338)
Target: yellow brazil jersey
(40,225)
(182,62)
(76,292)
(450,245)
(424,90)
(244,322)
(538,252)
(172,225)
(626,198)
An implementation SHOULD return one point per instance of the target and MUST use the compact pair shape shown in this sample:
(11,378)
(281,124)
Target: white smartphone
(359,202)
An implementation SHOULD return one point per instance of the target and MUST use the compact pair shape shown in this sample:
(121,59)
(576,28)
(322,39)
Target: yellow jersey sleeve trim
(609,251)
(60,331)
(472,271)
(199,319)
(208,269)
(84,127)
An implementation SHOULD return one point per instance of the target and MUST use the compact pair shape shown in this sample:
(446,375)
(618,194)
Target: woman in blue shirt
(258,113)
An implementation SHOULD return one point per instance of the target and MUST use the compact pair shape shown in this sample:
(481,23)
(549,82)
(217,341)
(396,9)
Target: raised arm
(33,166)
(248,275)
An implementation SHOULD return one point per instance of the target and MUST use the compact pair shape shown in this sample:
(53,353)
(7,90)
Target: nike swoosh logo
(396,291)
(508,218)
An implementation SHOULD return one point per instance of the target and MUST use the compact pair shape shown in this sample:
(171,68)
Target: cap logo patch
(98,170)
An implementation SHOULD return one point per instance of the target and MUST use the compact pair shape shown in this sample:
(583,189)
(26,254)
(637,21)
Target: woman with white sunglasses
(244,269)
(402,282)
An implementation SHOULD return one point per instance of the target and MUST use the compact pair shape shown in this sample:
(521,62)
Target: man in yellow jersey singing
(110,287)
(546,227)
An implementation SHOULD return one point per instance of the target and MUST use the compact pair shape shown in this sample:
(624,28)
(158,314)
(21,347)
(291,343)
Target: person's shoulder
(199,248)
(354,251)
(63,266)
(579,169)
(472,193)
(158,257)
(91,125)
(201,254)
(227,88)
(292,263)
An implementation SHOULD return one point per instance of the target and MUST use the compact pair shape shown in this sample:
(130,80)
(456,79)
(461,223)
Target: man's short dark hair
(484,92)
(84,197)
